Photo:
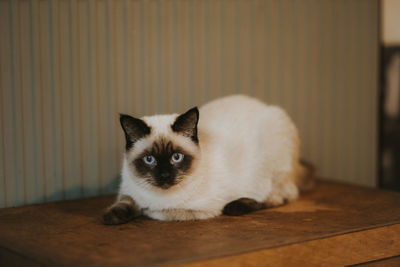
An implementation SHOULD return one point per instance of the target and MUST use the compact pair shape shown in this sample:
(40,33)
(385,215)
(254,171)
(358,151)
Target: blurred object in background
(390,105)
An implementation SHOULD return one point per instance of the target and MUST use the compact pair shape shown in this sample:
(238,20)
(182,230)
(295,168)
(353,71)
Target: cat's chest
(199,197)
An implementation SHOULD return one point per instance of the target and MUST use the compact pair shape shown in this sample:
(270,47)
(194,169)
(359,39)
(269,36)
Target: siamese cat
(232,156)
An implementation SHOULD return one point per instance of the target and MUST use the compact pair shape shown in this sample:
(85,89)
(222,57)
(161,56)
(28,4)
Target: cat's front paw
(120,212)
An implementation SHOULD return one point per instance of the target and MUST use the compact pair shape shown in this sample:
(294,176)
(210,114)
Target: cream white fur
(246,149)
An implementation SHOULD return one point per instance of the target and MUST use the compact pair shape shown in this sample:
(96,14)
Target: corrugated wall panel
(67,68)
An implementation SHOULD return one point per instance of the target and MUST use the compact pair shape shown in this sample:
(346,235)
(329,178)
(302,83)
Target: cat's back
(240,116)
(230,111)
(233,104)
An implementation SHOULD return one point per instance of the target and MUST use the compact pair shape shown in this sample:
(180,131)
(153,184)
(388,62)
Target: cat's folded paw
(242,206)
(120,213)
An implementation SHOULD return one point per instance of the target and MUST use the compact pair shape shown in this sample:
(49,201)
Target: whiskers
(144,183)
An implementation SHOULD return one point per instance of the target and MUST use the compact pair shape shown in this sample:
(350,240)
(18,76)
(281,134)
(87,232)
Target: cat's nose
(165,175)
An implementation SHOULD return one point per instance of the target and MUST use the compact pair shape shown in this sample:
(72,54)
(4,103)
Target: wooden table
(334,224)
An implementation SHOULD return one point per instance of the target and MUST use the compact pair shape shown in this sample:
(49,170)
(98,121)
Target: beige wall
(67,68)
(390,14)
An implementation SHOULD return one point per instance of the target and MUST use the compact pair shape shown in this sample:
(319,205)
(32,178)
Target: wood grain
(347,249)
(70,232)
(387,262)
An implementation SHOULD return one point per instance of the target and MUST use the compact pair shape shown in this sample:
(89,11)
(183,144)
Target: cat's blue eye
(177,157)
(149,160)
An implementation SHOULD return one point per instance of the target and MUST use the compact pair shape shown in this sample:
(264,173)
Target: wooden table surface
(334,224)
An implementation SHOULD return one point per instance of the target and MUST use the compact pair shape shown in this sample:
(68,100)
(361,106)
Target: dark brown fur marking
(121,212)
(163,150)
(134,129)
(242,206)
(186,124)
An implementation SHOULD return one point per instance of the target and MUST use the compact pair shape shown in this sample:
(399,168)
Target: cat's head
(161,150)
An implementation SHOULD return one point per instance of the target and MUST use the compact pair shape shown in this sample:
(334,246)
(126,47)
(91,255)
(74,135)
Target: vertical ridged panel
(8,194)
(17,96)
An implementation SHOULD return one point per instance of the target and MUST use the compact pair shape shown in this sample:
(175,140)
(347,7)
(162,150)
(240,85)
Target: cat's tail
(305,179)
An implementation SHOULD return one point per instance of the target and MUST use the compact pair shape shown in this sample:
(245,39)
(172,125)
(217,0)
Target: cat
(233,156)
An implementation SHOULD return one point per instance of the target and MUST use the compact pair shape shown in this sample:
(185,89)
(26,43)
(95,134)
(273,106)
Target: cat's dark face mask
(164,164)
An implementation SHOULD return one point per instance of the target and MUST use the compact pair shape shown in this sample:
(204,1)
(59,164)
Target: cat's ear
(186,124)
(134,129)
